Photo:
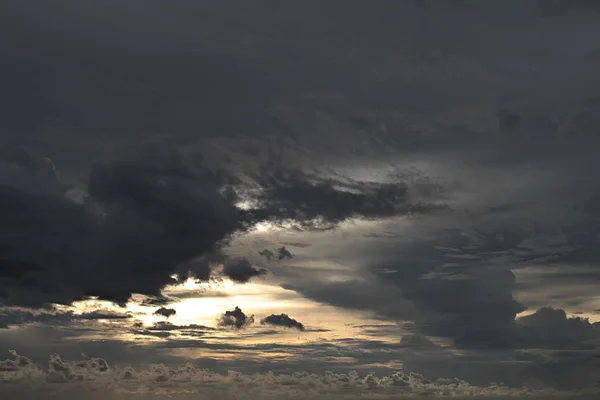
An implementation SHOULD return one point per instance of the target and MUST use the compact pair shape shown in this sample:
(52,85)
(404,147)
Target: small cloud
(282,253)
(165,312)
(236,318)
(241,270)
(282,320)
(157,301)
(167,326)
(268,254)
(99,314)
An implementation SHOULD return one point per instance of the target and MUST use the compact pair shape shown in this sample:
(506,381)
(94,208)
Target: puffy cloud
(236,319)
(95,375)
(282,320)
(165,312)
(18,363)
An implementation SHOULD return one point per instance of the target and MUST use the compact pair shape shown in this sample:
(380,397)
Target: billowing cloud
(236,319)
(283,320)
(145,216)
(96,375)
(551,328)
(144,221)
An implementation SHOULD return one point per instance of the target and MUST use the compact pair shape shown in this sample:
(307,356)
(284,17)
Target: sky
(299,199)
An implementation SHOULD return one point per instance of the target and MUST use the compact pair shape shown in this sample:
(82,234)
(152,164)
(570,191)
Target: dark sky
(405,189)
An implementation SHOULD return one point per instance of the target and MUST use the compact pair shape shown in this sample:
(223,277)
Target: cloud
(551,328)
(493,89)
(312,201)
(146,215)
(157,300)
(241,270)
(282,320)
(236,319)
(18,363)
(167,326)
(457,278)
(95,375)
(268,254)
(15,317)
(165,312)
(282,254)
(154,213)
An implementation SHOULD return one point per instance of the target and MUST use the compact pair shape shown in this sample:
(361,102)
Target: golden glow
(208,301)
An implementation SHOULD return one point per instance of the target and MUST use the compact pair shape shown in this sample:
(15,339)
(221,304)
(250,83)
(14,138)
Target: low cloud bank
(94,375)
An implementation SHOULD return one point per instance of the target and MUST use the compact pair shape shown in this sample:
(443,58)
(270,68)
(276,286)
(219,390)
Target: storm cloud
(144,146)
(145,220)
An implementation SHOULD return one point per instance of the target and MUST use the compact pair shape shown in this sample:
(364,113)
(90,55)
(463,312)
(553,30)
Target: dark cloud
(167,326)
(461,284)
(280,254)
(502,96)
(241,270)
(100,314)
(15,317)
(312,201)
(551,328)
(165,312)
(282,320)
(284,254)
(268,254)
(139,216)
(236,319)
(157,300)
(147,219)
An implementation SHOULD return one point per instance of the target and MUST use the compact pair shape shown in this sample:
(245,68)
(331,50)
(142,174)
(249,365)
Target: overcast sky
(315,199)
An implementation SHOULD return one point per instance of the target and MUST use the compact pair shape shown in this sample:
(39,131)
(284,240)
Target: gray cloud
(502,96)
(94,374)
(155,214)
(315,202)
(551,328)
(241,270)
(280,254)
(157,300)
(282,320)
(236,319)
(15,317)
(165,312)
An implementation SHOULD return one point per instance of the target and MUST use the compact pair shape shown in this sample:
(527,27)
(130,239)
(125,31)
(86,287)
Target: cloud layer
(95,375)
